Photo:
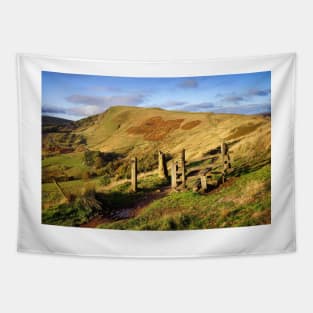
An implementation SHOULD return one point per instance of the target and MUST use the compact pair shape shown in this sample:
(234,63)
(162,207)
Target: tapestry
(186,158)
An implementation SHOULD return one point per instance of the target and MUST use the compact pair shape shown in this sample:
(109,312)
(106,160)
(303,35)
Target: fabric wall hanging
(156,159)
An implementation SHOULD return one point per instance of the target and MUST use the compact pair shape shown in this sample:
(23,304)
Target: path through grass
(243,201)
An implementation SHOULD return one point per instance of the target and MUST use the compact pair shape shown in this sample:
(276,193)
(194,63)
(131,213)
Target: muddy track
(129,212)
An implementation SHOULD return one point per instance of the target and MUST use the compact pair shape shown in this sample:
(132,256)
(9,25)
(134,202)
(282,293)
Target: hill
(51,120)
(137,130)
(96,152)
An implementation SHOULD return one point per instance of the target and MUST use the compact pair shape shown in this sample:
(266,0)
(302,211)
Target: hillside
(96,152)
(140,130)
(52,120)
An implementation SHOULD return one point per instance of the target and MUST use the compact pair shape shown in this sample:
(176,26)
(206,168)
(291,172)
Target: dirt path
(156,195)
(96,221)
(130,212)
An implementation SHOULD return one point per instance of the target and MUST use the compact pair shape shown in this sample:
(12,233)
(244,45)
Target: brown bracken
(155,128)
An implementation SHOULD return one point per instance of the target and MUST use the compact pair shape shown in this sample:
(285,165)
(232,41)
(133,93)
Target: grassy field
(244,201)
(92,166)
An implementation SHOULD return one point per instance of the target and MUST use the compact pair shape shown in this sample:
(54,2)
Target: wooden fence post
(162,166)
(173,175)
(60,189)
(183,173)
(223,152)
(203,181)
(134,174)
(223,148)
(228,159)
(225,159)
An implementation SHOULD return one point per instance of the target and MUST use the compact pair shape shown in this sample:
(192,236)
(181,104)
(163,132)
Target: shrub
(105,180)
(109,169)
(78,211)
(81,140)
(123,171)
(88,202)
(98,163)
(185,221)
(148,162)
(168,224)
(89,158)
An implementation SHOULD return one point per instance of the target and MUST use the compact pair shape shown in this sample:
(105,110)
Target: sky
(75,96)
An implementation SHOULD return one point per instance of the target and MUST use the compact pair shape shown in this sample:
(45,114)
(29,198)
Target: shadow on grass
(116,201)
(246,168)
(122,203)
(203,161)
(217,150)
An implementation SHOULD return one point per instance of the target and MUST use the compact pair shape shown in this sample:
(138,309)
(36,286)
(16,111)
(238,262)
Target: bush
(88,201)
(89,158)
(148,162)
(78,211)
(81,140)
(168,224)
(109,169)
(98,163)
(105,180)
(123,171)
(184,221)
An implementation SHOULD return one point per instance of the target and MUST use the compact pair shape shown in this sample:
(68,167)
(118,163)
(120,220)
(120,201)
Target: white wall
(139,30)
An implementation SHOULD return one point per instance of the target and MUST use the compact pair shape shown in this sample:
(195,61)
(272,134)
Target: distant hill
(51,121)
(265,114)
(134,130)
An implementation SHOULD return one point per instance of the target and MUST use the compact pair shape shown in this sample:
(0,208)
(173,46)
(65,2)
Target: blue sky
(75,96)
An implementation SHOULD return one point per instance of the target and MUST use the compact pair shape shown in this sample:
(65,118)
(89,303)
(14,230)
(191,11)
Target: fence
(178,171)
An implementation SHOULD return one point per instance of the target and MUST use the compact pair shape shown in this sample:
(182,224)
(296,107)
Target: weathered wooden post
(173,175)
(225,159)
(60,189)
(223,151)
(181,167)
(203,181)
(228,157)
(223,148)
(162,165)
(183,173)
(134,174)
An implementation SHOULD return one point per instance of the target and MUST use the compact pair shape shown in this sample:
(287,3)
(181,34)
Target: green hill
(96,151)
(138,130)
(52,120)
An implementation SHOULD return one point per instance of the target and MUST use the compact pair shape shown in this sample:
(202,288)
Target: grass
(67,215)
(65,160)
(52,197)
(243,202)
(242,131)
(73,185)
(78,211)
(152,182)
(190,125)
(128,127)
(81,209)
